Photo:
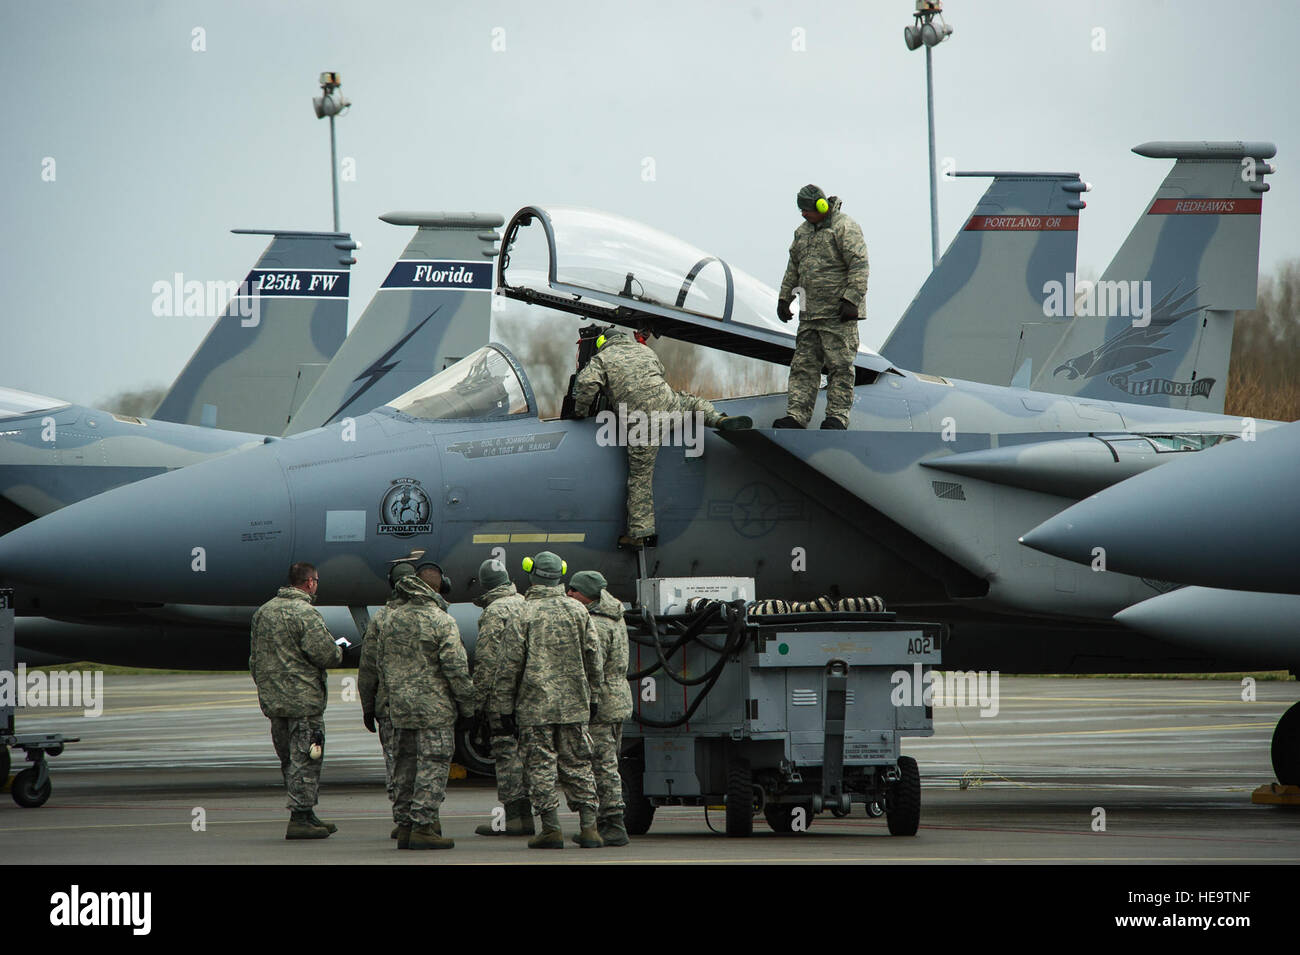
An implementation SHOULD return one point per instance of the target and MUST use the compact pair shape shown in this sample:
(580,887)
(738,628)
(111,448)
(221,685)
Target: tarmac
(179,769)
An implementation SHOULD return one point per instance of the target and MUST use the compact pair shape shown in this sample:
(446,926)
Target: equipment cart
(781,715)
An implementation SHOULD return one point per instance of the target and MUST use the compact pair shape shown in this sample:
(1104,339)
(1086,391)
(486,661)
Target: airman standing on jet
(633,377)
(828,261)
(423,665)
(547,686)
(503,616)
(606,728)
(374,695)
(289,650)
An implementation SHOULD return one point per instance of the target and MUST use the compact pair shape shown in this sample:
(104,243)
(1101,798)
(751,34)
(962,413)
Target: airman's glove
(848,311)
(369,720)
(783,309)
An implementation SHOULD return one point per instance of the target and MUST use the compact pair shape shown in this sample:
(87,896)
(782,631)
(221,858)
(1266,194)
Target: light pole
(331,103)
(925,31)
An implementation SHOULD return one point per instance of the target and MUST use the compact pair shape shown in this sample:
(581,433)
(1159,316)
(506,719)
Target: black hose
(737,628)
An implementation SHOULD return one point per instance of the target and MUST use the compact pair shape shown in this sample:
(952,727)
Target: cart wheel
(903,802)
(4,765)
(469,755)
(839,813)
(780,816)
(25,791)
(874,809)
(1286,747)
(638,810)
(740,799)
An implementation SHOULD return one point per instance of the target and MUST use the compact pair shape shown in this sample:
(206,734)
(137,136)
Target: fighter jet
(926,491)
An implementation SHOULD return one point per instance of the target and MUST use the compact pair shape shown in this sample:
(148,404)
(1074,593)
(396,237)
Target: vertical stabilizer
(1156,329)
(979,316)
(434,308)
(281,327)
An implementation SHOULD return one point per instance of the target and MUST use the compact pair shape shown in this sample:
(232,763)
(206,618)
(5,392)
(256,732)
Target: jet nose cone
(1060,538)
(216,533)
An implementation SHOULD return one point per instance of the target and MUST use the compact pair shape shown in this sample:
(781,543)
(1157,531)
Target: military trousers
(421,764)
(385,727)
(641,460)
(825,343)
(606,742)
(292,736)
(558,756)
(509,765)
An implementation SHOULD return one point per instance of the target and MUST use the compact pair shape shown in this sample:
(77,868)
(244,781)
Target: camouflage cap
(589,583)
(492,573)
(808,196)
(545,566)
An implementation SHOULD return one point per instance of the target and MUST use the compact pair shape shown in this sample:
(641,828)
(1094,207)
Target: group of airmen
(549,682)
(548,688)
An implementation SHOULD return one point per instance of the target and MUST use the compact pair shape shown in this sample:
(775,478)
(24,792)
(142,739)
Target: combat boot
(787,422)
(325,825)
(524,819)
(428,837)
(301,826)
(397,830)
(404,837)
(587,837)
(612,830)
(550,837)
(834,424)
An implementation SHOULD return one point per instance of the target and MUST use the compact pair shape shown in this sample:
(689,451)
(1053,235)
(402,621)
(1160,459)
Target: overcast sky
(160,149)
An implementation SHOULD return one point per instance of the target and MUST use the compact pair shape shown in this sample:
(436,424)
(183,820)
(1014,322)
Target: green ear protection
(600,342)
(528,565)
(823,205)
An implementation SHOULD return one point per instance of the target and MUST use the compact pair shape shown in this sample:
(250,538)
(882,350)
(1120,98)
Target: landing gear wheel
(4,765)
(25,791)
(1286,747)
(839,813)
(903,802)
(874,809)
(472,757)
(638,810)
(740,799)
(781,816)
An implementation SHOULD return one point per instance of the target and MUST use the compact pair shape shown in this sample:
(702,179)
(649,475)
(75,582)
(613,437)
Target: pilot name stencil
(513,444)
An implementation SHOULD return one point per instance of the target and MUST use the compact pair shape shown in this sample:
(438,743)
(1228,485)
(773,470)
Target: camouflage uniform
(829,261)
(615,702)
(289,651)
(503,616)
(423,666)
(374,696)
(633,377)
(544,676)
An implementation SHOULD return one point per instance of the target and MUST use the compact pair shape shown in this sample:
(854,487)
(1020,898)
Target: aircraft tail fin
(434,308)
(1156,329)
(282,325)
(979,316)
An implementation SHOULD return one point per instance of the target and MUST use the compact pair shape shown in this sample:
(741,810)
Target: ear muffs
(445,587)
(600,343)
(564,567)
(823,205)
(528,561)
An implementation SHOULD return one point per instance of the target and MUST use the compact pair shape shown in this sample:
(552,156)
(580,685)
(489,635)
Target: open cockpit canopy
(608,268)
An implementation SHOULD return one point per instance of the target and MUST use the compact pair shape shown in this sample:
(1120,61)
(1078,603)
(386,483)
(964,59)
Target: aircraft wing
(611,269)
